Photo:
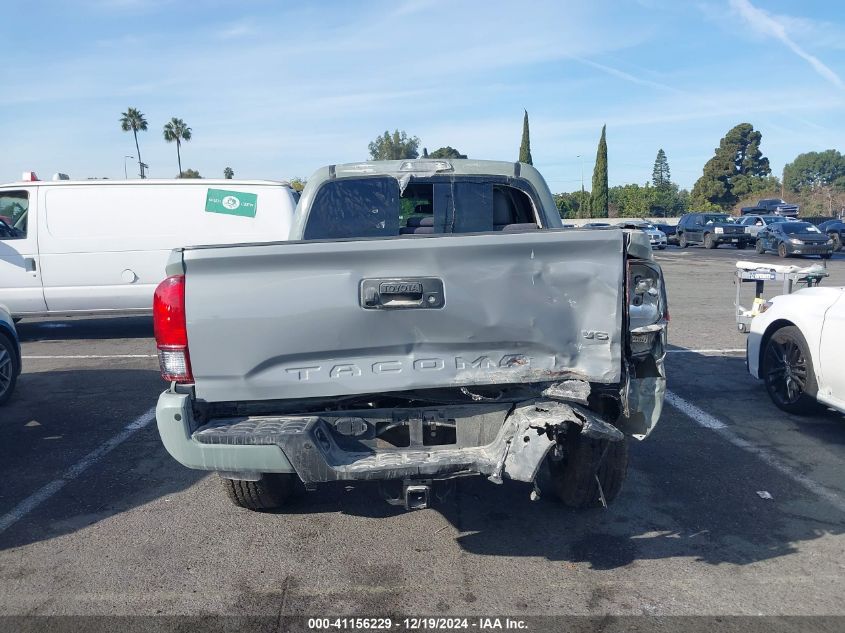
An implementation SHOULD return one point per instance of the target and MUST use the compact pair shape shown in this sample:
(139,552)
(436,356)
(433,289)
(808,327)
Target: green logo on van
(231,202)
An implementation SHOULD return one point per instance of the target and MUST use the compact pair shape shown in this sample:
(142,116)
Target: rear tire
(573,480)
(709,242)
(682,241)
(787,371)
(782,251)
(837,241)
(9,368)
(760,248)
(268,493)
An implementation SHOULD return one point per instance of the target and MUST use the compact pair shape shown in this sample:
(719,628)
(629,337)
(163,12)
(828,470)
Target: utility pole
(125,175)
(581,199)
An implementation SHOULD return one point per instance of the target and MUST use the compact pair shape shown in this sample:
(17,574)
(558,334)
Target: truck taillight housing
(171,330)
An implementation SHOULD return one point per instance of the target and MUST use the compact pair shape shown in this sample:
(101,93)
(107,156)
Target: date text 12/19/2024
(417,624)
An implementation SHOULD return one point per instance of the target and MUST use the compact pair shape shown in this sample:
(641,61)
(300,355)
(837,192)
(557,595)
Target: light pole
(581,200)
(125,175)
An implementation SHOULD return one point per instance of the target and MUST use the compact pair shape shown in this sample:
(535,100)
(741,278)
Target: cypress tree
(660,176)
(525,146)
(598,196)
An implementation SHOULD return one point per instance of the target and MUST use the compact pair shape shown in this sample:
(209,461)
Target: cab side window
(14,206)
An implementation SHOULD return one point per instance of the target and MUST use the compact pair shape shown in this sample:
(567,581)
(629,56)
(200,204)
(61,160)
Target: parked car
(378,347)
(835,230)
(772,206)
(10,355)
(711,230)
(795,346)
(755,223)
(794,238)
(84,247)
(670,230)
(656,237)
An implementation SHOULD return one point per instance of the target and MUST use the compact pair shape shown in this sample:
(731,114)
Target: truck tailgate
(317,319)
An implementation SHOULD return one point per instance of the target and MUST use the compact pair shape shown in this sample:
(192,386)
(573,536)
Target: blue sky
(276,89)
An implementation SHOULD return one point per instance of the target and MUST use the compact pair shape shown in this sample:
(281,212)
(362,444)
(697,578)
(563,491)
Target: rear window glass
(377,207)
(354,207)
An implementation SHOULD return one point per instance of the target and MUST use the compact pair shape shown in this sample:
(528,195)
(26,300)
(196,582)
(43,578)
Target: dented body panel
(533,307)
(425,356)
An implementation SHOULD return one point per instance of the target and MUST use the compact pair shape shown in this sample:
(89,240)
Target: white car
(796,345)
(655,235)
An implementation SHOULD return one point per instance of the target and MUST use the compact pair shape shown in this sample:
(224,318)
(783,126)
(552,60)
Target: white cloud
(767,24)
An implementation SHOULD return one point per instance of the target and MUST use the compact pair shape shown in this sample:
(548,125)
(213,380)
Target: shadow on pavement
(54,421)
(690,494)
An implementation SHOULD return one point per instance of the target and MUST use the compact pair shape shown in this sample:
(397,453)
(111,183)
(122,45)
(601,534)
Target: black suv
(711,229)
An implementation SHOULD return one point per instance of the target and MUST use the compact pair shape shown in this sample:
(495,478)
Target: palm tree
(176,130)
(134,120)
(228,173)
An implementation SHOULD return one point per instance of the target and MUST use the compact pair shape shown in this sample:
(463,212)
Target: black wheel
(682,241)
(268,493)
(573,479)
(8,368)
(782,251)
(760,248)
(740,246)
(709,242)
(787,371)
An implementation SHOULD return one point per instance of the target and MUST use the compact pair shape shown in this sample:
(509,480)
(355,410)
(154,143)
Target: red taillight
(171,330)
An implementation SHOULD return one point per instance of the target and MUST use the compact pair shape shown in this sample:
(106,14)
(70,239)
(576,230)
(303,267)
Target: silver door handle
(29,264)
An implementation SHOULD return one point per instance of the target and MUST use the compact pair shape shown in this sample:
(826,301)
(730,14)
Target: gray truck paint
(541,314)
(285,321)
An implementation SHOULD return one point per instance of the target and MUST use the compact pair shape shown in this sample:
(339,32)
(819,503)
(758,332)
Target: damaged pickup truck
(427,320)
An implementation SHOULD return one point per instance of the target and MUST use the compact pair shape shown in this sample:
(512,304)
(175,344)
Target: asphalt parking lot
(96,518)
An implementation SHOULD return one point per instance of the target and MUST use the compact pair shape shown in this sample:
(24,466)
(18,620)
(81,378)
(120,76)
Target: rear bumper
(175,419)
(311,447)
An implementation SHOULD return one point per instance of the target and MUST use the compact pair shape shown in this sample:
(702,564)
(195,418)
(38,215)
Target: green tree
(298,184)
(525,145)
(660,176)
(815,169)
(445,152)
(396,146)
(177,130)
(133,119)
(228,173)
(568,204)
(738,167)
(598,195)
(189,173)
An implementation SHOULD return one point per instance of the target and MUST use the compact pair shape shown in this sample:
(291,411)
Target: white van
(81,247)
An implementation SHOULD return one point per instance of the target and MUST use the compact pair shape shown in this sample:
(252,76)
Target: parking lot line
(33,501)
(704,419)
(37,357)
